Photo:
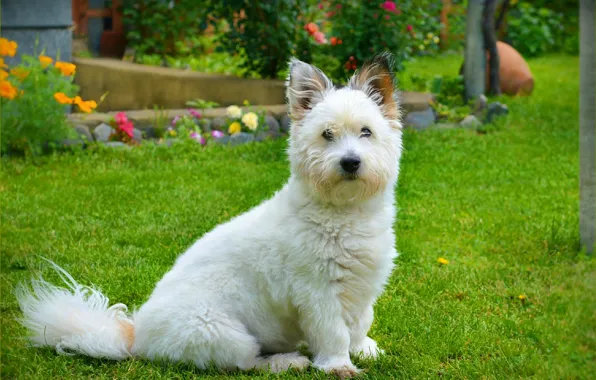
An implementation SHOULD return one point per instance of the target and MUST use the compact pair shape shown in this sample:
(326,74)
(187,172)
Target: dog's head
(345,143)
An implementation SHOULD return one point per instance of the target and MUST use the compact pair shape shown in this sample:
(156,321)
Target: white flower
(234,112)
(251,120)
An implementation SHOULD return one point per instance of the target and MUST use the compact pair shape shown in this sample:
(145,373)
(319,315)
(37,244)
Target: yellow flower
(173,132)
(234,128)
(7,90)
(234,112)
(66,68)
(8,47)
(426,42)
(430,36)
(245,103)
(2,64)
(442,261)
(62,98)
(421,47)
(522,297)
(251,120)
(3,74)
(437,40)
(45,61)
(20,73)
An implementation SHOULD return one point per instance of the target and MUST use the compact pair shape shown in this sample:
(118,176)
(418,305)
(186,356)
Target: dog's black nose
(350,164)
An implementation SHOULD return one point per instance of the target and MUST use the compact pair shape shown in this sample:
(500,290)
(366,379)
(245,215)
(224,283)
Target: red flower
(127,128)
(320,5)
(335,41)
(311,28)
(389,6)
(121,118)
(338,6)
(410,28)
(330,14)
(320,37)
(386,17)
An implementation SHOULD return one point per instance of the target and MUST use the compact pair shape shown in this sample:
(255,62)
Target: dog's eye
(327,135)
(365,132)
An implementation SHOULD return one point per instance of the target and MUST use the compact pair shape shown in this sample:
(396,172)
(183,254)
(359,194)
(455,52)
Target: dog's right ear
(305,87)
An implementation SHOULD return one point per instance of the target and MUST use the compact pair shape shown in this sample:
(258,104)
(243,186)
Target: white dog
(305,266)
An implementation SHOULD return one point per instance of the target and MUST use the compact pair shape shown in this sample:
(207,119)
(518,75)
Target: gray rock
(285,123)
(116,144)
(470,121)
(420,119)
(272,123)
(480,105)
(236,139)
(137,135)
(84,132)
(219,124)
(102,132)
(205,125)
(496,109)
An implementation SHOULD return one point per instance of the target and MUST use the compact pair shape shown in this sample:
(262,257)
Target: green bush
(534,31)
(33,104)
(267,31)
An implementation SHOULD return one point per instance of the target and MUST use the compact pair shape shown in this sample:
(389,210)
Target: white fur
(305,266)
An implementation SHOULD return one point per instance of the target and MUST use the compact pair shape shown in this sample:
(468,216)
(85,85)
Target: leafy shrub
(267,31)
(34,95)
(165,27)
(534,31)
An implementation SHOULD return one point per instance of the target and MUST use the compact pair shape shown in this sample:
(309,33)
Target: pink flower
(194,113)
(127,128)
(175,121)
(121,118)
(320,5)
(320,37)
(198,137)
(410,28)
(217,134)
(389,6)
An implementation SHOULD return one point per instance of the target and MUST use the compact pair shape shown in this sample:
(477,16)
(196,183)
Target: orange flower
(8,47)
(20,73)
(45,61)
(3,74)
(85,105)
(7,90)
(66,68)
(62,98)
(2,64)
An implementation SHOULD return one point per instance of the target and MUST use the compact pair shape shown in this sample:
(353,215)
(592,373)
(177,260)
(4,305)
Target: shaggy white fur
(305,266)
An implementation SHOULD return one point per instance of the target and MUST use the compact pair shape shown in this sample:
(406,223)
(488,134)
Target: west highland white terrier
(305,266)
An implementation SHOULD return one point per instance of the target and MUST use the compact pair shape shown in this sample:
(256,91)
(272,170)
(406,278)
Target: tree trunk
(490,44)
(475,56)
(587,116)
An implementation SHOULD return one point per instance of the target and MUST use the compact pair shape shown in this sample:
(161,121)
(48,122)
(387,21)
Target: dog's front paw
(367,349)
(341,368)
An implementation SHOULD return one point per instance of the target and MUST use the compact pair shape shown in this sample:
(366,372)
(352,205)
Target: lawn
(517,298)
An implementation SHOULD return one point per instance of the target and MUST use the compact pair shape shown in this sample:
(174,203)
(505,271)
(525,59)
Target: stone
(480,105)
(515,76)
(285,123)
(420,119)
(470,121)
(219,124)
(137,135)
(272,123)
(494,110)
(102,132)
(236,139)
(116,144)
(205,125)
(84,132)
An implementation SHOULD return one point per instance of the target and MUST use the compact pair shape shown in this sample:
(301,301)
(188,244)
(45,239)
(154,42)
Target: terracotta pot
(112,44)
(515,76)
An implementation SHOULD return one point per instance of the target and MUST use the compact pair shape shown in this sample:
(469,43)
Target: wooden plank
(587,126)
(99,13)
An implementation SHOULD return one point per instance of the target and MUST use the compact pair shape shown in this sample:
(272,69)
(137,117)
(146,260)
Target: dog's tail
(75,319)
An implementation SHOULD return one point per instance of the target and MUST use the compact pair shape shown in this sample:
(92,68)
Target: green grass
(502,207)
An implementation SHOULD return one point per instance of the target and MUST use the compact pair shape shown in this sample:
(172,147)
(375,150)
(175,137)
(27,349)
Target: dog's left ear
(306,86)
(376,79)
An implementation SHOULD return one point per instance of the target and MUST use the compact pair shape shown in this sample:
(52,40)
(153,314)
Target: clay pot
(514,73)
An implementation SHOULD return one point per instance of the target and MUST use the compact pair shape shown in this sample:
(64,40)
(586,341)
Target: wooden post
(587,126)
(475,56)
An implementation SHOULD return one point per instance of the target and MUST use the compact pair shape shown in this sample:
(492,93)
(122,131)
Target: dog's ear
(376,79)
(305,87)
